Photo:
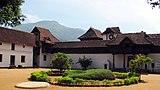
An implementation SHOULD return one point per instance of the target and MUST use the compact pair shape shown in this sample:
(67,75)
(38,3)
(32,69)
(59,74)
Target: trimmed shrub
(95,74)
(106,82)
(127,81)
(79,81)
(118,82)
(49,72)
(132,80)
(40,76)
(65,80)
(123,75)
(72,72)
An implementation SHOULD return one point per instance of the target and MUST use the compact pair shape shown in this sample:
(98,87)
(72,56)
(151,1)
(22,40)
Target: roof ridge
(15,30)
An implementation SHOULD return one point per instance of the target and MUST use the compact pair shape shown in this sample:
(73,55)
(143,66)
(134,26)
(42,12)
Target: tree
(154,3)
(61,61)
(139,62)
(84,62)
(10,12)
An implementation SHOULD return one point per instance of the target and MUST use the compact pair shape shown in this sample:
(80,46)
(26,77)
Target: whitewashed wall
(156,60)
(49,58)
(5,50)
(98,60)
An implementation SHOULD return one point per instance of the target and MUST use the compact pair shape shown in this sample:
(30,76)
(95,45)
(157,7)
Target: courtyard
(10,77)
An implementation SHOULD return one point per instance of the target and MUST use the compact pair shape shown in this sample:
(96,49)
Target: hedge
(93,74)
(67,81)
(40,76)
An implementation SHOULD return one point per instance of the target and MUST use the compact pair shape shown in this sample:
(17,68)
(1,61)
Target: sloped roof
(154,39)
(45,35)
(91,34)
(16,37)
(81,44)
(136,38)
(115,30)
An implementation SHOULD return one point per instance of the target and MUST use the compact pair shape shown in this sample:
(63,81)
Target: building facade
(112,48)
(43,54)
(16,48)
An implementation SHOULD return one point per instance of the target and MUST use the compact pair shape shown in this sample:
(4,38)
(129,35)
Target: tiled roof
(81,44)
(154,39)
(91,34)
(136,38)
(16,37)
(45,35)
(115,30)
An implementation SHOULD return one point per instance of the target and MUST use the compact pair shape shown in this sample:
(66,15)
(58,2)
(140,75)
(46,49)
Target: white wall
(5,50)
(156,60)
(119,61)
(49,58)
(98,60)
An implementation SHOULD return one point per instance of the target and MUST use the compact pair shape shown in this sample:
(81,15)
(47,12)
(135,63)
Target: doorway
(12,60)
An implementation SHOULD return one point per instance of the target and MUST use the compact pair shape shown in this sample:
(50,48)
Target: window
(23,46)
(0,43)
(44,58)
(13,47)
(22,59)
(0,57)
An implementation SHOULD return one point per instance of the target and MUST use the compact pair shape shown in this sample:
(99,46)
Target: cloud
(129,15)
(32,18)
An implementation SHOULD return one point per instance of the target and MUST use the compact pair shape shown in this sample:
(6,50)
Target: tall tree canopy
(154,3)
(10,12)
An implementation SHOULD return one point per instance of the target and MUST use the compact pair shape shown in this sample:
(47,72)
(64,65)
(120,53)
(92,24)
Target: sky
(129,15)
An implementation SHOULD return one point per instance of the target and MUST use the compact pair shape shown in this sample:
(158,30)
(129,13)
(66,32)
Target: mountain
(61,32)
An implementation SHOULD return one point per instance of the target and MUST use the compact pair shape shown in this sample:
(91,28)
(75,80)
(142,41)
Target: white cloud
(32,18)
(129,15)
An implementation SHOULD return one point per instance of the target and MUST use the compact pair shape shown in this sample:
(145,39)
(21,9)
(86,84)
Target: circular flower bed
(96,77)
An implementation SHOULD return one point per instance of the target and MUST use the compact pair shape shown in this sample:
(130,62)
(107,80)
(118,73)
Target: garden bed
(96,78)
(88,78)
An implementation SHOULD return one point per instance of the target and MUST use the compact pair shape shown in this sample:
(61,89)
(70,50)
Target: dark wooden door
(12,60)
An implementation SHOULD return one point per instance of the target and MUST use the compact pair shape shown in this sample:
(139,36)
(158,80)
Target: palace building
(111,49)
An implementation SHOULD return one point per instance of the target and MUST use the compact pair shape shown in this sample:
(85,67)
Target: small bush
(123,75)
(118,82)
(65,81)
(127,81)
(79,81)
(106,82)
(95,74)
(132,80)
(40,76)
(49,72)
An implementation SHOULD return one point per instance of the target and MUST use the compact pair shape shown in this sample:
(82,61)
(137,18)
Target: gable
(91,34)
(44,35)
(126,42)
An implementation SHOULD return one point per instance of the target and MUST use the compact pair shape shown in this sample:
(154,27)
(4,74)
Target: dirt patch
(10,77)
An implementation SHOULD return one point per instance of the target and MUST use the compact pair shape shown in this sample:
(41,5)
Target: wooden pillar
(124,61)
(113,61)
